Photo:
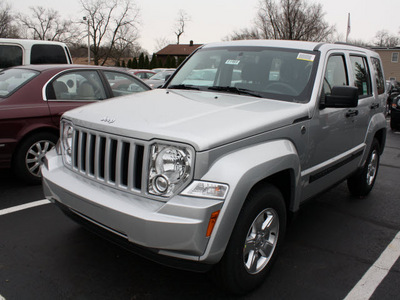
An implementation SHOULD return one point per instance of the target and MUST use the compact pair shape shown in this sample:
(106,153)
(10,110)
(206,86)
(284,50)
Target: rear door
(367,104)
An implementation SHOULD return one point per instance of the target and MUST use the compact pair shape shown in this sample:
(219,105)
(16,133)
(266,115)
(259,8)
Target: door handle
(351,113)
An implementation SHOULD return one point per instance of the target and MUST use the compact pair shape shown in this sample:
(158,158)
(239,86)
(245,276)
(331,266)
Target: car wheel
(361,183)
(30,154)
(254,242)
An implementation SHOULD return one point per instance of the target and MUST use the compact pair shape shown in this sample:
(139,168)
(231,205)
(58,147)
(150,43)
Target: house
(178,51)
(390,61)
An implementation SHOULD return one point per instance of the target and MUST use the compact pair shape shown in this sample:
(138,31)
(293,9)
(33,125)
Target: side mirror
(341,97)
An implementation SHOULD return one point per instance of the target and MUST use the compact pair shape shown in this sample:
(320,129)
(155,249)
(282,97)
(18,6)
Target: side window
(77,85)
(335,74)
(395,57)
(122,84)
(362,79)
(10,56)
(48,54)
(380,80)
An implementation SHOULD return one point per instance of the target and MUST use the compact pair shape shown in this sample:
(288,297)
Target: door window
(77,85)
(48,54)
(335,73)
(10,56)
(123,84)
(361,75)
(380,80)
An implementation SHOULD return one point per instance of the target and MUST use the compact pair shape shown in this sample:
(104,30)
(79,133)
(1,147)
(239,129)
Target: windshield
(13,79)
(161,75)
(282,74)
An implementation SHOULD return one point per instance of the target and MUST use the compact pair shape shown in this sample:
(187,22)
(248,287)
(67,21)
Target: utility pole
(88,39)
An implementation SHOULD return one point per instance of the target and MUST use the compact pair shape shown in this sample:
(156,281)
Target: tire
(29,156)
(361,183)
(252,250)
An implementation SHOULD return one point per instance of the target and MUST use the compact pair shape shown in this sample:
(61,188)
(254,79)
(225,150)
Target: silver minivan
(15,52)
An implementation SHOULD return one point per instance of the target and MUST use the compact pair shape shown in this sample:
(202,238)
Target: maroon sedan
(32,100)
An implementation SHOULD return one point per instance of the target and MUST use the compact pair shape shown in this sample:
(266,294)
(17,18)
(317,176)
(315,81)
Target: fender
(242,170)
(377,123)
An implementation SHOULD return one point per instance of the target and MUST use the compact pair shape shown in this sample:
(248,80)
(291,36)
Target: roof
(29,43)
(179,49)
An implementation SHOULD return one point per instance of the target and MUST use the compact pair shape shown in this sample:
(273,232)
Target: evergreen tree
(153,62)
(129,65)
(123,64)
(134,63)
(141,61)
(146,62)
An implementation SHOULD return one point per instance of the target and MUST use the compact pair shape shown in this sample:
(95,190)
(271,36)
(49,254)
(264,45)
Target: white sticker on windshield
(305,56)
(232,62)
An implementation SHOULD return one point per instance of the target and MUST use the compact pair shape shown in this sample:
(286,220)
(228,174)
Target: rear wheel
(361,183)
(30,154)
(254,242)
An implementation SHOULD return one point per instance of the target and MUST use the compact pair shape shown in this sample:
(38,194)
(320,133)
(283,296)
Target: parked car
(395,113)
(156,81)
(32,99)
(393,90)
(204,176)
(142,74)
(16,52)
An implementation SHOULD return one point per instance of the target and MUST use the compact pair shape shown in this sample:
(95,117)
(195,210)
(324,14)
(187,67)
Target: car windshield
(282,74)
(161,75)
(13,79)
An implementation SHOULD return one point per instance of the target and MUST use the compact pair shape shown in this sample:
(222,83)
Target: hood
(202,119)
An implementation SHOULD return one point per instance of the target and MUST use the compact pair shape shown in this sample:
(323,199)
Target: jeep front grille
(113,160)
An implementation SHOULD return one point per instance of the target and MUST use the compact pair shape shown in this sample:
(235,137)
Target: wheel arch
(276,163)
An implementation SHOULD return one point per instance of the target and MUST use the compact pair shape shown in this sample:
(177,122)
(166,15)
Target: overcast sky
(212,20)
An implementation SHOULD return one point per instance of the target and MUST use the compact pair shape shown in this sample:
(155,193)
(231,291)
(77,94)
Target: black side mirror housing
(341,97)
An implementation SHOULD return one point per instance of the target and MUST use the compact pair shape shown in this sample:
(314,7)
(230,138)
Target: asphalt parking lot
(333,242)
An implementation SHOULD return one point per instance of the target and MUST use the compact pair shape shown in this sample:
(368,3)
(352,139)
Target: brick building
(178,51)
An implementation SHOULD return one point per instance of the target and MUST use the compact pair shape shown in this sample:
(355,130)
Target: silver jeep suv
(203,173)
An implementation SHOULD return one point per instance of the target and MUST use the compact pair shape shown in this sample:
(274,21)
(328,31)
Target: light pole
(88,39)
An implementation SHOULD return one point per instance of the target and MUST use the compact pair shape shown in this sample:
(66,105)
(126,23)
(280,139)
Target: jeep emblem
(108,120)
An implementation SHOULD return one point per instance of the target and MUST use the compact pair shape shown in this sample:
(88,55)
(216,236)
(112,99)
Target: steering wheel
(280,87)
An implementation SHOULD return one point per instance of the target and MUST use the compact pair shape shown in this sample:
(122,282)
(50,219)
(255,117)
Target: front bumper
(176,228)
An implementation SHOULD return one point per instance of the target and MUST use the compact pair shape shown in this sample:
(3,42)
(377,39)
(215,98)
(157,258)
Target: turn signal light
(211,223)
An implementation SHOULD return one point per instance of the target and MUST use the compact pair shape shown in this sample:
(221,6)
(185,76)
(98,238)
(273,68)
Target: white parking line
(22,207)
(377,272)
(2,298)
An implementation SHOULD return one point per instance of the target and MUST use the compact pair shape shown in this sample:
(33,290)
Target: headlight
(66,141)
(170,168)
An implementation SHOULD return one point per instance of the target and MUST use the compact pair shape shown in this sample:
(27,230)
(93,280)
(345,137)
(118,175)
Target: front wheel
(361,183)
(254,242)
(29,156)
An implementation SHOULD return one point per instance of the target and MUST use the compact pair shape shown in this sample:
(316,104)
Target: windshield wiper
(183,87)
(232,89)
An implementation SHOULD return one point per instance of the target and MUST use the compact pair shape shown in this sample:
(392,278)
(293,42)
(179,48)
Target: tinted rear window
(12,79)
(48,54)
(10,56)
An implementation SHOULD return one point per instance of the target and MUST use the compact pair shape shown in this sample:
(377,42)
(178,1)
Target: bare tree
(7,28)
(161,43)
(288,20)
(384,39)
(183,18)
(112,27)
(46,24)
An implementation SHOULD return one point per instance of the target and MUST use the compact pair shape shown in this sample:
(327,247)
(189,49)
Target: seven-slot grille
(113,160)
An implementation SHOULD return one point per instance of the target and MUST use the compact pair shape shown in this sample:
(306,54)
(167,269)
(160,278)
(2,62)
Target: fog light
(161,184)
